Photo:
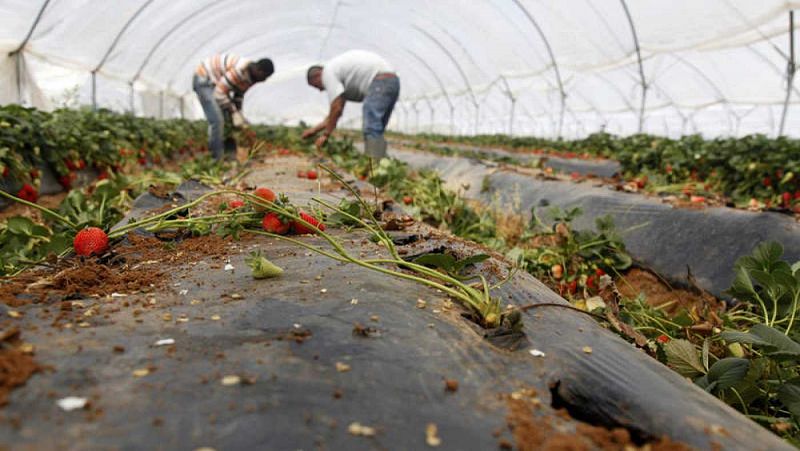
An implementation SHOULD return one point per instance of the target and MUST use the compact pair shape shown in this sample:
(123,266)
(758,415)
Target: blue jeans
(378,105)
(216,120)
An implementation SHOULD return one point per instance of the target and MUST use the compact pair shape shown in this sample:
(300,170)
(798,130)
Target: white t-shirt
(351,73)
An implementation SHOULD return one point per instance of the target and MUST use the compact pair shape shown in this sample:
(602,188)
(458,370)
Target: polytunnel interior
(498,66)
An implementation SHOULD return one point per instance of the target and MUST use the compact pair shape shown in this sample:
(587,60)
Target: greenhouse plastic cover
(550,68)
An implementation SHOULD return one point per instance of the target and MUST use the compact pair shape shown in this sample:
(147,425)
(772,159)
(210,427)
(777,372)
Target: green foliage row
(68,140)
(753,166)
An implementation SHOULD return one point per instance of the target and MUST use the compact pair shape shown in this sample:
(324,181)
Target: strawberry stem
(40,208)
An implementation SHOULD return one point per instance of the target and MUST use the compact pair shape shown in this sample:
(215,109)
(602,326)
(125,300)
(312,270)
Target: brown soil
(659,294)
(15,366)
(51,201)
(532,432)
(136,266)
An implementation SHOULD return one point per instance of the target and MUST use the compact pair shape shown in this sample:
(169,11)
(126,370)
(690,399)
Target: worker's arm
(226,89)
(329,123)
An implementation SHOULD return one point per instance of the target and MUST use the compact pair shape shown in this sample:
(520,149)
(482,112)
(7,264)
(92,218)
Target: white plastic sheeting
(548,67)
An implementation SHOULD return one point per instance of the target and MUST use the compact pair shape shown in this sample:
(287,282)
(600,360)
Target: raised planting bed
(584,165)
(754,172)
(172,343)
(671,241)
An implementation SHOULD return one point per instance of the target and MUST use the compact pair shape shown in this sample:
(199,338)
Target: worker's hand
(238,120)
(309,132)
(321,141)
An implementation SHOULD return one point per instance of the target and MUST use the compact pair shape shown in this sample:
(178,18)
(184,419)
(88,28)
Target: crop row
(747,169)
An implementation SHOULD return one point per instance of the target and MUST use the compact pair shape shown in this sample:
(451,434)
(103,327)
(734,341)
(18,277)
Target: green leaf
(471,260)
(442,261)
(774,342)
(768,253)
(20,226)
(743,337)
(682,356)
(789,395)
(728,372)
(58,244)
(742,286)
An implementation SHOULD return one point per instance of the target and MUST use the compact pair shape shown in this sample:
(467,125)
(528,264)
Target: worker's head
(314,77)
(261,70)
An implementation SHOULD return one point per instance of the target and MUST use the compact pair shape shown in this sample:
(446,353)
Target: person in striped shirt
(220,83)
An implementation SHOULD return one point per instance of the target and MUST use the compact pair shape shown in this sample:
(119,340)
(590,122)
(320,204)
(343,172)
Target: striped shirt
(230,75)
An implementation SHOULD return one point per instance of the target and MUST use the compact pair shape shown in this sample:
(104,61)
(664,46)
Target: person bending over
(220,83)
(357,76)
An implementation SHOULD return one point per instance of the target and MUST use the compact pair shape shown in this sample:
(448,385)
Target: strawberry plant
(751,167)
(571,261)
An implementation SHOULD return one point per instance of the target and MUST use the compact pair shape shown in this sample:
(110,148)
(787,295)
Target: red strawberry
(302,174)
(787,199)
(662,339)
(301,229)
(103,175)
(697,199)
(641,182)
(557,271)
(142,161)
(408,200)
(767,182)
(234,204)
(284,151)
(34,173)
(599,272)
(90,240)
(362,177)
(575,175)
(266,194)
(81,164)
(311,174)
(590,282)
(29,193)
(272,223)
(66,180)
(70,164)
(572,287)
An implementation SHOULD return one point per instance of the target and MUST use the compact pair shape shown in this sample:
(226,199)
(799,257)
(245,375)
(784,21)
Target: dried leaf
(358,429)
(231,379)
(432,435)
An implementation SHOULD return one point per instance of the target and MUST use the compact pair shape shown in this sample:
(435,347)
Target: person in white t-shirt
(357,76)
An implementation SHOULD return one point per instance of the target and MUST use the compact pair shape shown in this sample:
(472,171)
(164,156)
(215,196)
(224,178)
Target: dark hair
(264,66)
(311,71)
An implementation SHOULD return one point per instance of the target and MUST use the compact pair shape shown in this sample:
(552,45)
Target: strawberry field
(755,172)
(292,288)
